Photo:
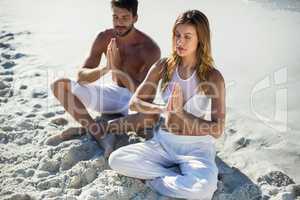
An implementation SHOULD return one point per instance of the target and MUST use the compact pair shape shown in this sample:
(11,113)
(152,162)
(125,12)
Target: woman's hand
(174,110)
(175,102)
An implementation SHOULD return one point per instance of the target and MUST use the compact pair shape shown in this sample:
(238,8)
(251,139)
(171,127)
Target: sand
(256,159)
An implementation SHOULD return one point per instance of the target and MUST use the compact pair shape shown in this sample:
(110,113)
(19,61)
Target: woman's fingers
(169,104)
(177,98)
(171,99)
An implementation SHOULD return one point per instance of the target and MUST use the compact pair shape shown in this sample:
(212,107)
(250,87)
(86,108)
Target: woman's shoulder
(160,65)
(215,76)
(157,70)
(162,62)
(215,82)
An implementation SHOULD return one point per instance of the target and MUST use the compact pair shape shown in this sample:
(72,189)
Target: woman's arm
(183,123)
(146,107)
(145,93)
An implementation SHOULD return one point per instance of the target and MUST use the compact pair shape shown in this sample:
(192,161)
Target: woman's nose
(179,42)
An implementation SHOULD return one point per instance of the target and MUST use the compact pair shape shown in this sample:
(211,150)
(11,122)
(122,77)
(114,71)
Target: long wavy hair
(205,61)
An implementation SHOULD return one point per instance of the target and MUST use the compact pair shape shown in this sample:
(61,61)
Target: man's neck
(130,37)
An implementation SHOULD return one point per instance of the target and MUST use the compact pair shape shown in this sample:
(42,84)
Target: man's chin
(122,33)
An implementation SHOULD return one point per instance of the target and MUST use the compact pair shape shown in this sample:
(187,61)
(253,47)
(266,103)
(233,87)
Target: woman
(194,92)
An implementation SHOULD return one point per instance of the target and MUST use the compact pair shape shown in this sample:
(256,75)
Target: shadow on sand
(232,184)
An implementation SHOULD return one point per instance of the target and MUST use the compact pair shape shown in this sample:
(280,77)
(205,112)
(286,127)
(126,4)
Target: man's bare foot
(104,140)
(108,144)
(69,134)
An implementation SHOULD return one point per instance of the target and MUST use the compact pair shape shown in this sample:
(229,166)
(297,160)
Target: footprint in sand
(73,155)
(5,73)
(30,115)
(3,85)
(85,172)
(49,165)
(60,121)
(48,114)
(39,93)
(241,143)
(23,87)
(38,106)
(8,64)
(276,178)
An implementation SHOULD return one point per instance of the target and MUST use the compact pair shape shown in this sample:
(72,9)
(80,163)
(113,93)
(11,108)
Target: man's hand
(113,58)
(113,55)
(114,63)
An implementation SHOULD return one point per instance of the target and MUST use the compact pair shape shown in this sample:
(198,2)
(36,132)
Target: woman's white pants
(153,159)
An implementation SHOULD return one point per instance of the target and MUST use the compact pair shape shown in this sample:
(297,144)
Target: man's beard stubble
(125,33)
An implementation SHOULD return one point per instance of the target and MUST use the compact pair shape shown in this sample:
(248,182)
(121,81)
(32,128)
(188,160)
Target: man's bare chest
(131,57)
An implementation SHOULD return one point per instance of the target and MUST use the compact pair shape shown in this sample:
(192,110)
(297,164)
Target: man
(130,53)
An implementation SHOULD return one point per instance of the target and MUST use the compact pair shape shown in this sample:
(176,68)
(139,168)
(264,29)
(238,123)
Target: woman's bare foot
(69,134)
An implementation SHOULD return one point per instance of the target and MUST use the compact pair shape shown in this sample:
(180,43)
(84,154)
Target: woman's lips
(180,49)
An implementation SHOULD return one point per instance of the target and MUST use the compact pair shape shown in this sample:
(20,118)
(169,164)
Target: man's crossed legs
(76,98)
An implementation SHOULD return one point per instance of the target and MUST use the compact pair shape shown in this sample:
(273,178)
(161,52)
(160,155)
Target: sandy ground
(258,156)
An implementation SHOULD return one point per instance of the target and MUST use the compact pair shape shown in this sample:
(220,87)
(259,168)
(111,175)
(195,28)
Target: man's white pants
(102,98)
(152,160)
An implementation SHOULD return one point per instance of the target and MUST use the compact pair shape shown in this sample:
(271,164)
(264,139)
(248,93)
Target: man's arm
(150,55)
(90,71)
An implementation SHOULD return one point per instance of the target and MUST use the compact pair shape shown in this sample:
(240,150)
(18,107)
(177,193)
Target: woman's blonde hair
(205,61)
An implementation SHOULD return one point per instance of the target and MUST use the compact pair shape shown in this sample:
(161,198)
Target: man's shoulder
(146,40)
(148,44)
(105,35)
(102,39)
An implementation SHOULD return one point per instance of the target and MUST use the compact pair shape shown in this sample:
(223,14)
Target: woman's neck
(189,62)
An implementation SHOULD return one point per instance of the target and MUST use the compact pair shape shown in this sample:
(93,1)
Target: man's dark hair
(130,5)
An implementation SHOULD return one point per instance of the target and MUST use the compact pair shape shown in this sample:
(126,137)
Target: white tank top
(198,104)
(189,86)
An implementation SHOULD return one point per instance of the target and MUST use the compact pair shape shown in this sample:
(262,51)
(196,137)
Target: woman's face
(186,40)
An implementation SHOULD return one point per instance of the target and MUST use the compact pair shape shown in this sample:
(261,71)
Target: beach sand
(258,155)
